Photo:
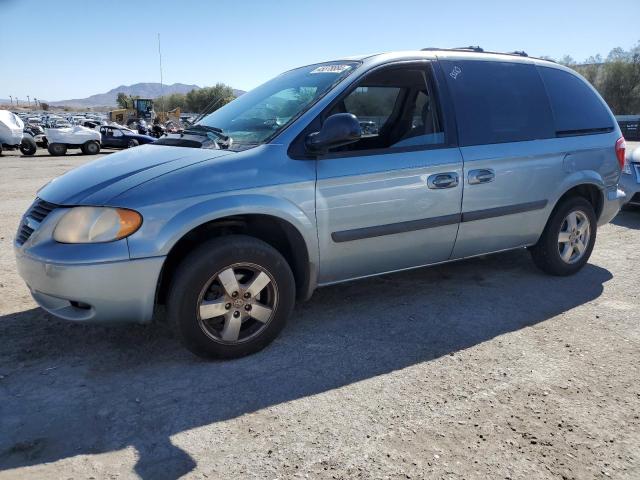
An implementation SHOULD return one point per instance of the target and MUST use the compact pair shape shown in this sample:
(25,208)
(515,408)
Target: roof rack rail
(471,48)
(477,49)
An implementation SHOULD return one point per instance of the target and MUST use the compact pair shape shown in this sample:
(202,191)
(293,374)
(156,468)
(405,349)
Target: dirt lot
(479,369)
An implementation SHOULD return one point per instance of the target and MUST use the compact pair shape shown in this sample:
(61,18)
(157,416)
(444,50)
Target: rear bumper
(120,291)
(615,198)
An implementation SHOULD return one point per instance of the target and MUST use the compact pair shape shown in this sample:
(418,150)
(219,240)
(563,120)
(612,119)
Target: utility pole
(161,89)
(11,100)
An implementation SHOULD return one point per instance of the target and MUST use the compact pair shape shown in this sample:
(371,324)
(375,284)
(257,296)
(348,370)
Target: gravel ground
(478,369)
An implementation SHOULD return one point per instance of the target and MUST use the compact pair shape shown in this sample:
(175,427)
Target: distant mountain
(143,90)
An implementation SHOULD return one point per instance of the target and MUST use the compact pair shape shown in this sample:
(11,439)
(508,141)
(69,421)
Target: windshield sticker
(455,72)
(331,69)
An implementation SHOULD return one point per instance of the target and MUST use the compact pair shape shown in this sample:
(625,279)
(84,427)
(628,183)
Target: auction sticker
(331,69)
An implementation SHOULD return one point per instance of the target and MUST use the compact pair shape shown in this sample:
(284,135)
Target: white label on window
(331,69)
(455,72)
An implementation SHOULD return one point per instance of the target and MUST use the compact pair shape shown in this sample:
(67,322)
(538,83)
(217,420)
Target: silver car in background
(280,192)
(630,178)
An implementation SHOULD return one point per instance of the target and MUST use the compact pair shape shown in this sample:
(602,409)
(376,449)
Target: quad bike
(61,139)
(12,134)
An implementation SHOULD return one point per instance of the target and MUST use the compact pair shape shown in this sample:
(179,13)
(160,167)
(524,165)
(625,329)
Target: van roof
(462,52)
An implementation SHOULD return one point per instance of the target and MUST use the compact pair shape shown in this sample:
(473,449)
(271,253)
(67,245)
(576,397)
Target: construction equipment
(142,110)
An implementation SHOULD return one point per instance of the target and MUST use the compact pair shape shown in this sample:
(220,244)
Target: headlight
(96,224)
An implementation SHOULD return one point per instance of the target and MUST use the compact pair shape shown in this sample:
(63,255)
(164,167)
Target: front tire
(568,239)
(132,143)
(90,148)
(231,297)
(28,146)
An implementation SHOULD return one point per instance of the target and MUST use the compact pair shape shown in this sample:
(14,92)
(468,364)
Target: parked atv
(12,134)
(61,139)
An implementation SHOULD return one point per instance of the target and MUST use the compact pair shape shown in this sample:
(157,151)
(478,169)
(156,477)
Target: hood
(96,182)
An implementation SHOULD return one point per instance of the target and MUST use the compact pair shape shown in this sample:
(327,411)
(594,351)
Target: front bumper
(118,291)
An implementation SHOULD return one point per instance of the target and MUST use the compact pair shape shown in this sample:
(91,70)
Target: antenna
(161,87)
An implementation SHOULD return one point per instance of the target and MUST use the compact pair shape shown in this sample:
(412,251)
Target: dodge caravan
(328,173)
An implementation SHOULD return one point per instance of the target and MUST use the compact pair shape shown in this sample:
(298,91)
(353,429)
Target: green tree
(617,78)
(123,100)
(126,101)
(210,98)
(567,60)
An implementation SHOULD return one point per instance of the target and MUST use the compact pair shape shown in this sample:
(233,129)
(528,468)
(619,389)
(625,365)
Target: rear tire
(28,146)
(216,308)
(57,149)
(90,148)
(568,238)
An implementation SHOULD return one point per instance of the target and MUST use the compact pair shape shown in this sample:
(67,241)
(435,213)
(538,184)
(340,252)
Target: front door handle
(483,175)
(443,180)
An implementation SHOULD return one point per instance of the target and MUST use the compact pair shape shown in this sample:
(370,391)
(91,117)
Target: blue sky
(60,49)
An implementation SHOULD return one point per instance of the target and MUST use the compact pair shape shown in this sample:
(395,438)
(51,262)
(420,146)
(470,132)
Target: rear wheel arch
(275,231)
(591,192)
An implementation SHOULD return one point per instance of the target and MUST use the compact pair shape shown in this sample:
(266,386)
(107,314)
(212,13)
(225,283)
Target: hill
(143,90)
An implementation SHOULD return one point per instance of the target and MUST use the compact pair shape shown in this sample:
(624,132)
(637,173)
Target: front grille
(37,212)
(23,234)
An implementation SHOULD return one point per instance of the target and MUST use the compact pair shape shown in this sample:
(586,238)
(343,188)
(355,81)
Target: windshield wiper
(222,140)
(205,128)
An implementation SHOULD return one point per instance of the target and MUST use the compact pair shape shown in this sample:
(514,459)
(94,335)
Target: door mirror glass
(337,130)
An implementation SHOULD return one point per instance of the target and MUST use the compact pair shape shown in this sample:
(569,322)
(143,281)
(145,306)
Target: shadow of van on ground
(70,389)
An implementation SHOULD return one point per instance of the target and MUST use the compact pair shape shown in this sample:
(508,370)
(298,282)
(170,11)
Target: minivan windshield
(258,115)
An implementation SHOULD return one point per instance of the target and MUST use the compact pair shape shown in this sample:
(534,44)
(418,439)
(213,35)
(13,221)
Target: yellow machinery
(142,109)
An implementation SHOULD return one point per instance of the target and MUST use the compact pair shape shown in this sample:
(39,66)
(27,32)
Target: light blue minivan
(328,173)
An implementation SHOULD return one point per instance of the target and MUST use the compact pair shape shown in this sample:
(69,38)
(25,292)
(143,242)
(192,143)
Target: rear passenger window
(498,102)
(576,108)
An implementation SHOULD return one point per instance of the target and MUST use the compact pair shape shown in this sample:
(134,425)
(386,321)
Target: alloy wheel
(574,236)
(237,303)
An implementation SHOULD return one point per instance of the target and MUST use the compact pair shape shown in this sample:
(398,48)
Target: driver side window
(396,107)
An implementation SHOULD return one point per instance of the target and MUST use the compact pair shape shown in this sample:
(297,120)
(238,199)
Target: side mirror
(337,130)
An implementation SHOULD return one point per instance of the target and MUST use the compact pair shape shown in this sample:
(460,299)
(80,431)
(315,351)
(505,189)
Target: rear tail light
(621,147)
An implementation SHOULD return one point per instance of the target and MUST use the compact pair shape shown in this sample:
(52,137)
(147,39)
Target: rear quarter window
(576,107)
(498,102)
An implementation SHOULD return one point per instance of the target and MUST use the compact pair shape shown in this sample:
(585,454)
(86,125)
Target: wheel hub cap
(237,303)
(574,236)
